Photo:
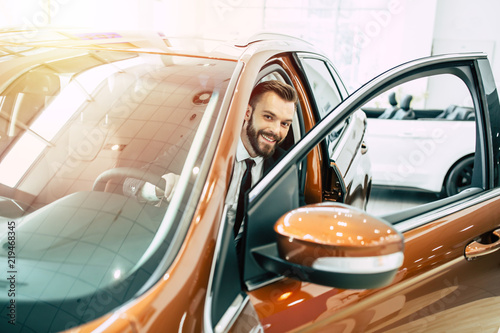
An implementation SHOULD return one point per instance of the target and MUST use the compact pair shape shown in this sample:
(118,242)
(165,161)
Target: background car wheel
(460,176)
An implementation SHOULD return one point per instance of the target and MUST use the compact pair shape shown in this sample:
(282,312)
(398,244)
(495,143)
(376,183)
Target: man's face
(267,125)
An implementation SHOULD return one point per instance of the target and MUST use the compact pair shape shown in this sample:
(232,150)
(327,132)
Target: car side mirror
(335,245)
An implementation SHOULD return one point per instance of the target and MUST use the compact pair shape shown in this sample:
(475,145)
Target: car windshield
(81,134)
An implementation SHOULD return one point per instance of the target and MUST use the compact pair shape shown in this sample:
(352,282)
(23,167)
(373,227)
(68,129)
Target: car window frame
(328,147)
(339,88)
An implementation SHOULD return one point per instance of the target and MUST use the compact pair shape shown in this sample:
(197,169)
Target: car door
(346,166)
(450,272)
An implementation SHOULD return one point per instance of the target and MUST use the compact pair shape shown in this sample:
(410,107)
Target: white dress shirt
(238,171)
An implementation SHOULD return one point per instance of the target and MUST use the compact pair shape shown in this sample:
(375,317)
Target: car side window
(322,84)
(326,93)
(421,137)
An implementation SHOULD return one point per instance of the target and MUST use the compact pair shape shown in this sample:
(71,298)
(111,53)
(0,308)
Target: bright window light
(26,151)
(19,159)
(12,125)
(53,118)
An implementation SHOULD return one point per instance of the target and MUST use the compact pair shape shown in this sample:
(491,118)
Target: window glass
(322,84)
(421,139)
(85,139)
(325,93)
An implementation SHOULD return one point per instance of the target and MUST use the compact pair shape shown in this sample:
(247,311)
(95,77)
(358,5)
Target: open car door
(327,267)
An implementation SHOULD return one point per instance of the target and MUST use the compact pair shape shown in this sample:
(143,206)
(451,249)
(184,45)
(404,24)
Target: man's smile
(270,139)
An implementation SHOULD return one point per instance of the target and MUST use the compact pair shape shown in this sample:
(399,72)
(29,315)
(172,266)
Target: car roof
(148,42)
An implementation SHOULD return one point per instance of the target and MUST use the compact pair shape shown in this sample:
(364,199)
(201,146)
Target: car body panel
(439,280)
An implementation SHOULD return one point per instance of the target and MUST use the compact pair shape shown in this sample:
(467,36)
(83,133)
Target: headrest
(447,111)
(405,102)
(460,113)
(392,99)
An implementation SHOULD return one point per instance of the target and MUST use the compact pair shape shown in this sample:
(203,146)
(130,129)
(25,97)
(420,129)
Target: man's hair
(283,90)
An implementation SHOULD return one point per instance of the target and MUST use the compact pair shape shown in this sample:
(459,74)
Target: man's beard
(253,137)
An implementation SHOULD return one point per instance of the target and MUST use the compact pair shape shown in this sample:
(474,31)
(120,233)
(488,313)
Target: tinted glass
(322,84)
(325,93)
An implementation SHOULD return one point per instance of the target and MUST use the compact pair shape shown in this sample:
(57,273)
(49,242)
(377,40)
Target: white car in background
(426,149)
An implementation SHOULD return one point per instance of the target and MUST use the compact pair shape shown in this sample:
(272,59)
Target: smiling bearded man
(268,118)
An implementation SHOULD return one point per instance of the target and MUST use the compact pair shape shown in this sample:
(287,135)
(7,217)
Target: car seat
(454,112)
(446,112)
(405,112)
(390,111)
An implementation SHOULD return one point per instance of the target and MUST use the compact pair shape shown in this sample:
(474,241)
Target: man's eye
(268,117)
(285,125)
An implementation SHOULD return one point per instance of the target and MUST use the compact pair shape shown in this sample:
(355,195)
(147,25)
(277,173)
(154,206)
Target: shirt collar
(242,154)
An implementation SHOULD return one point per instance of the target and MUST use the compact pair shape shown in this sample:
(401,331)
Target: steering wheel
(123,173)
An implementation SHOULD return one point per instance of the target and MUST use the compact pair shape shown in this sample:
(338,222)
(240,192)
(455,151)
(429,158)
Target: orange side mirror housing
(335,245)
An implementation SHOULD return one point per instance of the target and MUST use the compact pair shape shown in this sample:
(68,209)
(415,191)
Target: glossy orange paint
(314,182)
(421,290)
(343,232)
(477,249)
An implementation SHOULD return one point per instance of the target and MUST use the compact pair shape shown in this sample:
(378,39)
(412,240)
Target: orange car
(82,114)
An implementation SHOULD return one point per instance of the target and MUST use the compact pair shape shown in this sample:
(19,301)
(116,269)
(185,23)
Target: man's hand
(153,194)
(171,179)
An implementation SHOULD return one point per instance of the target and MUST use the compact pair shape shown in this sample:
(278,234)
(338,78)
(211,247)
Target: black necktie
(246,183)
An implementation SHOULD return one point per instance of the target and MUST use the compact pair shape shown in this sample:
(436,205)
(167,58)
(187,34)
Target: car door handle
(477,249)
(418,133)
(364,148)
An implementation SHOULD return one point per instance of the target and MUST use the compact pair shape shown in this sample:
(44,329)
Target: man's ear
(248,112)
